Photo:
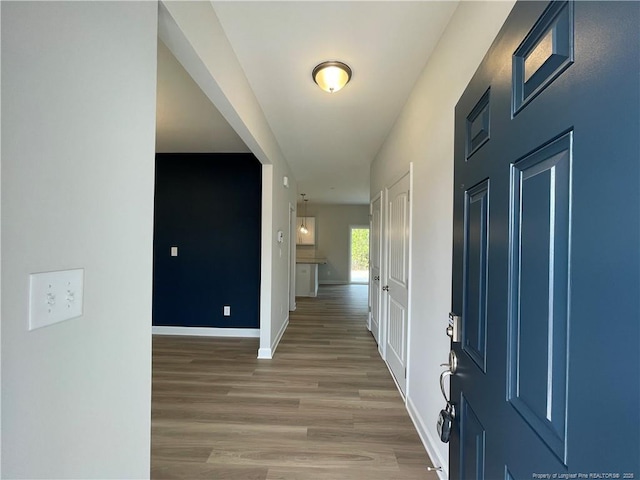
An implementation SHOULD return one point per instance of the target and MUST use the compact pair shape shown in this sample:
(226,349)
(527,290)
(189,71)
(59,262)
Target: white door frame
(382,339)
(377,198)
(410,279)
(292,257)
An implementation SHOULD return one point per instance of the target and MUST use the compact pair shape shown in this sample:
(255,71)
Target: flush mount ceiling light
(331,76)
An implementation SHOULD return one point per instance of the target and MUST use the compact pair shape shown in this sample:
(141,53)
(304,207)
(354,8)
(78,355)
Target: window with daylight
(359,253)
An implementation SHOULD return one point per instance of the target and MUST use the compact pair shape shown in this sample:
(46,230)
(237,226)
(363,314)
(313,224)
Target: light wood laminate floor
(325,407)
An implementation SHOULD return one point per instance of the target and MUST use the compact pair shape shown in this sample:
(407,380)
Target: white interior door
(375,256)
(397,279)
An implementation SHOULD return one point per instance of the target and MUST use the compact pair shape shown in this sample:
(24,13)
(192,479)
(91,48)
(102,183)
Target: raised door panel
(476,250)
(539,289)
(472,443)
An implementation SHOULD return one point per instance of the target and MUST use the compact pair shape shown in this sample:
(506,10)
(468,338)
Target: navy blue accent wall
(209,206)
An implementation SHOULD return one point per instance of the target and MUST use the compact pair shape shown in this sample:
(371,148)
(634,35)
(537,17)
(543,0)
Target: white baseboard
(428,441)
(264,354)
(206,331)
(267,353)
(276,340)
(393,377)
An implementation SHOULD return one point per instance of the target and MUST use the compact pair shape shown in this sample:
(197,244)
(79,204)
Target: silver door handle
(385,288)
(452,366)
(377,277)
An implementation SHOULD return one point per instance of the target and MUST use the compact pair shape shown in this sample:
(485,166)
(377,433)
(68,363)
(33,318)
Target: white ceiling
(329,140)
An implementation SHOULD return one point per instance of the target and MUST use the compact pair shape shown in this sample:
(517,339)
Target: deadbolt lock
(454,330)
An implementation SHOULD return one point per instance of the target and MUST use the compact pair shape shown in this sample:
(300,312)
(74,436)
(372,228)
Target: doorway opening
(359,254)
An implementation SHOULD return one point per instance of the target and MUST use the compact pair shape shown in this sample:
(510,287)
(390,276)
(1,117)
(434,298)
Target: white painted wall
(281,199)
(192,31)
(78,111)
(186,120)
(0,247)
(332,237)
(423,134)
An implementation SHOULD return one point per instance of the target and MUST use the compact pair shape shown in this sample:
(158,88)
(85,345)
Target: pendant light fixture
(331,76)
(303,227)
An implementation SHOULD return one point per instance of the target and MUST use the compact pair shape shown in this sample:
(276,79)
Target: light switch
(226,310)
(55,297)
(174,251)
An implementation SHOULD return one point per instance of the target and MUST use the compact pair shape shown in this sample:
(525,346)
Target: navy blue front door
(546,248)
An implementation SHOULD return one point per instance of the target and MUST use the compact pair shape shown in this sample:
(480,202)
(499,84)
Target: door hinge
(405,372)
(369,308)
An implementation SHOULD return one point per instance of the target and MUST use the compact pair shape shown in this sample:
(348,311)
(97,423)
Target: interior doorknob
(385,288)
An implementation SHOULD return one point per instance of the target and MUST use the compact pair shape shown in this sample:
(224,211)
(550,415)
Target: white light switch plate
(226,311)
(55,297)
(174,251)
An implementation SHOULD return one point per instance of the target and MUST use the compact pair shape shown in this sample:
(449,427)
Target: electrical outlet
(226,310)
(55,297)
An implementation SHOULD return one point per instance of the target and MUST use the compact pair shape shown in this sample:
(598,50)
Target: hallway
(325,407)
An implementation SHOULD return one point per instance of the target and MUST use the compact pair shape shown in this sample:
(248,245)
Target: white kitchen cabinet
(306,280)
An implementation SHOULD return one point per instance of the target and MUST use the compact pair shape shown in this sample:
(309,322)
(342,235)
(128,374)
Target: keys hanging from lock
(447,415)
(445,422)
